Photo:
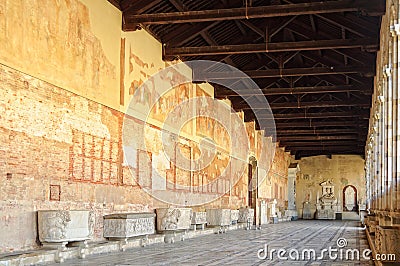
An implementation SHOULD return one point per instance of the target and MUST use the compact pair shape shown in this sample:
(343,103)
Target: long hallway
(241,247)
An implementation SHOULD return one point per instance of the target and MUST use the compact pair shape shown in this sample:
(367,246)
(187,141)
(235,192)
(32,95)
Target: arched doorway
(350,198)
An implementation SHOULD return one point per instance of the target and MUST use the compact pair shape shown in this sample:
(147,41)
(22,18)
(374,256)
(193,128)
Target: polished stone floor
(241,247)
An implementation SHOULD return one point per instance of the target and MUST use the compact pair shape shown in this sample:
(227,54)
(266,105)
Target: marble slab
(124,225)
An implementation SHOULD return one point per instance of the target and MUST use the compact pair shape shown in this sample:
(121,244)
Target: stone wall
(64,91)
(342,170)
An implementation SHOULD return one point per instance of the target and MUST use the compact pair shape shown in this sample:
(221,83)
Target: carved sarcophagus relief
(199,218)
(123,225)
(64,226)
(169,219)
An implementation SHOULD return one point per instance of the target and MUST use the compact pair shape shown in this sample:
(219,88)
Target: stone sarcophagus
(57,228)
(219,217)
(170,219)
(246,215)
(234,216)
(124,225)
(199,218)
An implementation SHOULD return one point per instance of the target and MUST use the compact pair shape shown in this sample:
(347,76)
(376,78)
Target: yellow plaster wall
(342,170)
(69,43)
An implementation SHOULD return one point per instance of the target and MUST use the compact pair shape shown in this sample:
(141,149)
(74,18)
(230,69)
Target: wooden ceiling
(313,60)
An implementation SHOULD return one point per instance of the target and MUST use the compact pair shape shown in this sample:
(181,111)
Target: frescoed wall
(68,80)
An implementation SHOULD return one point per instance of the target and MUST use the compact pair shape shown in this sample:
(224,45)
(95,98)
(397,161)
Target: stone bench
(199,218)
(125,225)
(59,227)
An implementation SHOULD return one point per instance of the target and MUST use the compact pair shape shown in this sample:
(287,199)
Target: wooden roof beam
(295,90)
(319,138)
(372,8)
(366,71)
(366,43)
(311,124)
(295,105)
(324,143)
(292,132)
(307,115)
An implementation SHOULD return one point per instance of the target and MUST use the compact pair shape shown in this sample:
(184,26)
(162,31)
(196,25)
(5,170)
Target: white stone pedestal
(124,225)
(57,228)
(171,219)
(218,217)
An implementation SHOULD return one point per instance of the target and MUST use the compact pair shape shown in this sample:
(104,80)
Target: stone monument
(274,214)
(327,203)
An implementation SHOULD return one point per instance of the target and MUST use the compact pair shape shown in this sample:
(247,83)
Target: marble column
(396,122)
(387,135)
(395,31)
(292,172)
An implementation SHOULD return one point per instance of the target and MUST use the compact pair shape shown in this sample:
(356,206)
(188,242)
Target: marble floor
(242,247)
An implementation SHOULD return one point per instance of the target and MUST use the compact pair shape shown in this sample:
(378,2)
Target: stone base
(328,214)
(198,226)
(55,245)
(292,214)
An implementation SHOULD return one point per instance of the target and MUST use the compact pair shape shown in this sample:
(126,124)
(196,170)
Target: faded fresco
(61,110)
(54,41)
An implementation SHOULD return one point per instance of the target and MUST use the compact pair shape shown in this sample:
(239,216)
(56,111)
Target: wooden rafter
(366,43)
(372,8)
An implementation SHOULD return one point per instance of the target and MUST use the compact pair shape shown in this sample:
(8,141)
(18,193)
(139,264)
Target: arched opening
(350,198)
